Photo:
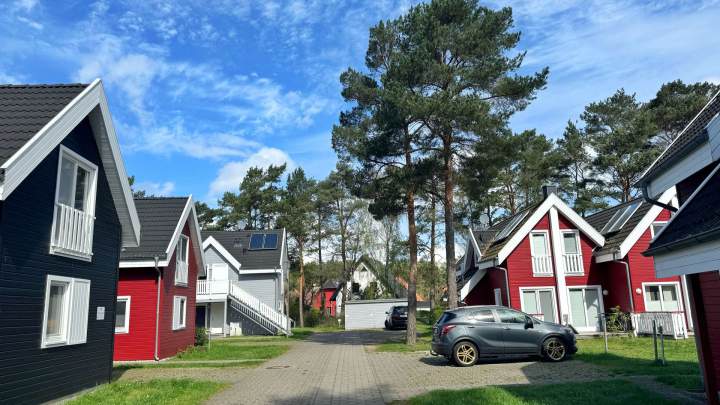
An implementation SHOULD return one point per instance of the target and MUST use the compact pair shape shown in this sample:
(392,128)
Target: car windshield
(400,310)
(446,317)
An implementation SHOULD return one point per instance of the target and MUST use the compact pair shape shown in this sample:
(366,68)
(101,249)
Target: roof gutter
(703,237)
(646,197)
(698,140)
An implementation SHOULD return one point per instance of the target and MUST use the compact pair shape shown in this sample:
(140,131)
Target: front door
(516,338)
(585,308)
(200,316)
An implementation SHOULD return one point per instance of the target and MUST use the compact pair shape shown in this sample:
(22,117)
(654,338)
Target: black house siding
(29,374)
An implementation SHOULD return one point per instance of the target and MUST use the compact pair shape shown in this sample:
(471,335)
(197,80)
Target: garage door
(368,314)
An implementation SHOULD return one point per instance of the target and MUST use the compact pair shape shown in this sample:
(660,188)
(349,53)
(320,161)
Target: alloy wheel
(555,349)
(466,354)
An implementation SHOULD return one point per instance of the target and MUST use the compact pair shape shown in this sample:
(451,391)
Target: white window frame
(126,327)
(537,299)
(67,316)
(176,322)
(90,195)
(652,230)
(678,292)
(546,235)
(578,246)
(182,240)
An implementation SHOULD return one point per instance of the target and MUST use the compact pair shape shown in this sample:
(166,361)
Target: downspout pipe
(629,283)
(157,309)
(507,283)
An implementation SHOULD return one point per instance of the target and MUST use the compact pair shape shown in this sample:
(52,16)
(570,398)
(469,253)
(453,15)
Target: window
(510,316)
(74,206)
(570,243)
(539,244)
(263,241)
(539,302)
(620,217)
(65,315)
(181,255)
(179,312)
(661,297)
(122,315)
(482,315)
(656,227)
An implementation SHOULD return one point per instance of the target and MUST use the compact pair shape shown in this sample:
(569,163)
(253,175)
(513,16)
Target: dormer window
(74,217)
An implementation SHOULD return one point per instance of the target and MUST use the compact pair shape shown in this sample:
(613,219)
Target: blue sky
(202,90)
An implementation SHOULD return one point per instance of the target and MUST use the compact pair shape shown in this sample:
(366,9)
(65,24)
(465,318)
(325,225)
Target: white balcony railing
(72,232)
(573,264)
(542,265)
(673,323)
(210,287)
(181,272)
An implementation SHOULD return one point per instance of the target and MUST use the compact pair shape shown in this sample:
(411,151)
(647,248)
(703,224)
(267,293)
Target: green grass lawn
(634,356)
(154,392)
(599,392)
(398,344)
(304,333)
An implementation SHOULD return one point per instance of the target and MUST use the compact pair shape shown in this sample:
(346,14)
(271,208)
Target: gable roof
(34,119)
(694,134)
(237,243)
(162,219)
(486,239)
(697,221)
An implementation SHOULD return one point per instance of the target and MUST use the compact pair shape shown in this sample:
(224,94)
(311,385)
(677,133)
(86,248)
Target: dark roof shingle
(613,240)
(25,109)
(693,133)
(237,243)
(699,220)
(159,216)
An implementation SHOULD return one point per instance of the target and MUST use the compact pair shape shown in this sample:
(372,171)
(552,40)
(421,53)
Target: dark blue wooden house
(66,211)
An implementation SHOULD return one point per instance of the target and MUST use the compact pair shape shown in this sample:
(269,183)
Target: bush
(312,317)
(201,337)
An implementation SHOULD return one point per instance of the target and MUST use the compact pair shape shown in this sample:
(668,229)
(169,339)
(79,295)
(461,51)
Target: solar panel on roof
(270,241)
(620,218)
(256,240)
(511,226)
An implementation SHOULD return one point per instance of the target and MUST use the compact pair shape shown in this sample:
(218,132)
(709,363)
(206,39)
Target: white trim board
(91,103)
(667,198)
(210,241)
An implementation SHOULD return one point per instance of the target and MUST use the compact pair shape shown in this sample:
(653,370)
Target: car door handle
(471,327)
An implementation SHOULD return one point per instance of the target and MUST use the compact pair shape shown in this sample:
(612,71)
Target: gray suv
(465,334)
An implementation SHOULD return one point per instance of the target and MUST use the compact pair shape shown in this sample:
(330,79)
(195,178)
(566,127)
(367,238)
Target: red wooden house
(689,245)
(549,261)
(155,316)
(327,293)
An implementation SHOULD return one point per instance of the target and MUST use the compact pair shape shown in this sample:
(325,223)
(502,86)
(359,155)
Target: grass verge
(397,344)
(154,392)
(635,356)
(599,392)
(231,350)
(684,382)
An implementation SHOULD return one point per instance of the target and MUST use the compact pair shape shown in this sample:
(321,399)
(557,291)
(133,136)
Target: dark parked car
(396,317)
(465,334)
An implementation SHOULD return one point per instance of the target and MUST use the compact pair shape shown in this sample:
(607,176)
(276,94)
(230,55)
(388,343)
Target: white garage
(370,314)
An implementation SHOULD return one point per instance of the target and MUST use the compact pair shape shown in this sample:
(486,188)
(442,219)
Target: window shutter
(175,313)
(79,304)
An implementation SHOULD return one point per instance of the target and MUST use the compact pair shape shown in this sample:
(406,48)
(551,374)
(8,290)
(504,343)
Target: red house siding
(484,291)
(329,305)
(175,341)
(141,285)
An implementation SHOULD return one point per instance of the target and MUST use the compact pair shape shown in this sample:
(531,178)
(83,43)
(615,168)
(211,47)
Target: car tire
(386,325)
(465,354)
(554,349)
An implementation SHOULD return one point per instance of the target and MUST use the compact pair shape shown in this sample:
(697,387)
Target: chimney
(547,190)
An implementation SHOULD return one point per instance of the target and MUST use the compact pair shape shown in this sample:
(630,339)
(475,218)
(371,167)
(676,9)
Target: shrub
(312,317)
(201,337)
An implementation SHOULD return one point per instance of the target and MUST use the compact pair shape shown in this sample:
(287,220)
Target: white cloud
(162,189)
(26,5)
(231,174)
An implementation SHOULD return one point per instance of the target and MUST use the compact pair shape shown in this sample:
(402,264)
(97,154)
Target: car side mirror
(386,312)
(528,322)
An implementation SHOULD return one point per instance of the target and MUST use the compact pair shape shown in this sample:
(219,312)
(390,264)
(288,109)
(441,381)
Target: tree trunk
(320,262)
(449,228)
(301,281)
(433,270)
(411,335)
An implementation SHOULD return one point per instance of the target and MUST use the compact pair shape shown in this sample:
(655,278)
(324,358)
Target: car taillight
(446,329)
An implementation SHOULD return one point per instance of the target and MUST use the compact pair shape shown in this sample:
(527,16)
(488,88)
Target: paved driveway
(337,368)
